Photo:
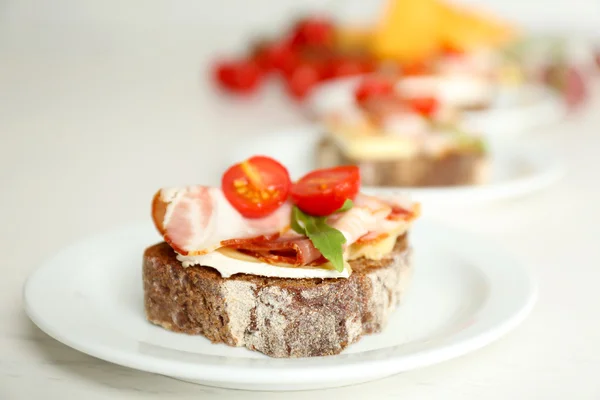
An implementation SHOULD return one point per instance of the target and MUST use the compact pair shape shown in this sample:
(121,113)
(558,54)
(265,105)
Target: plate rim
(548,170)
(306,369)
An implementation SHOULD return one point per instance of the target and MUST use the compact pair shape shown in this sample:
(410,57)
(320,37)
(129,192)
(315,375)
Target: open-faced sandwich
(287,269)
(402,139)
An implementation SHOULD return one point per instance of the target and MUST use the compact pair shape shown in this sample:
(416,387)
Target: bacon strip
(195,219)
(372,237)
(290,250)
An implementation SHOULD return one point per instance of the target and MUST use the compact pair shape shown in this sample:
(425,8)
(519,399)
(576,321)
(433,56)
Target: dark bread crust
(276,316)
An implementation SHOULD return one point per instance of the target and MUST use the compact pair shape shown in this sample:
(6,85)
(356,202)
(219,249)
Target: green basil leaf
(328,240)
(295,224)
(348,204)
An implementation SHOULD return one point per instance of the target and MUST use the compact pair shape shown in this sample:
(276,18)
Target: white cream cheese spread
(227,265)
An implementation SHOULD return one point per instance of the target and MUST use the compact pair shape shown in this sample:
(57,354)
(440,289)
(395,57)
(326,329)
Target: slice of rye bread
(277,316)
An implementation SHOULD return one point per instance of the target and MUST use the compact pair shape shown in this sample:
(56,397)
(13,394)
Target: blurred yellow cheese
(407,31)
(413,30)
(467,30)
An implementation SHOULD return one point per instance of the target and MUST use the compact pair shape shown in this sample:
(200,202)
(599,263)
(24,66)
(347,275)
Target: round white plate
(465,294)
(514,171)
(512,112)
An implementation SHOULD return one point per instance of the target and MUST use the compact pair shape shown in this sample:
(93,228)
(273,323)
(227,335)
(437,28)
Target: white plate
(465,294)
(514,172)
(512,112)
(518,111)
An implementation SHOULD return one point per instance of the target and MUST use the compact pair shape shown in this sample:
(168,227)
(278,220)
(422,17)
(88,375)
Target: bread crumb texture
(275,316)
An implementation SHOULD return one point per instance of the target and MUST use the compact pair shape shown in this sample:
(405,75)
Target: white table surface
(95,116)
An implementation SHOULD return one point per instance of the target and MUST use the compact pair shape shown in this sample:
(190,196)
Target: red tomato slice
(256,187)
(425,106)
(324,191)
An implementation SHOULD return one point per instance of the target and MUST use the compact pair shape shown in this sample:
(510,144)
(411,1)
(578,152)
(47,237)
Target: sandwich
(399,138)
(288,269)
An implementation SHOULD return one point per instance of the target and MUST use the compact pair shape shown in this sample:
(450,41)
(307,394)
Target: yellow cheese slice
(408,31)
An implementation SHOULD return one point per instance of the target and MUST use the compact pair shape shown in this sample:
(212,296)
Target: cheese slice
(378,248)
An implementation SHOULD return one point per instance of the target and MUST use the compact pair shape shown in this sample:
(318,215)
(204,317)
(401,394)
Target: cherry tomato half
(324,191)
(425,106)
(256,187)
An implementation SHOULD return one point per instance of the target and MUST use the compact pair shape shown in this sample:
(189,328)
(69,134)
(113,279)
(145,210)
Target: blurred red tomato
(241,76)
(425,106)
(302,79)
(348,66)
(375,86)
(277,55)
(313,31)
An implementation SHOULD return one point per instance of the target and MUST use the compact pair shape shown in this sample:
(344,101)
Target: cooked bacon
(295,250)
(400,214)
(372,237)
(272,258)
(402,208)
(195,219)
(257,240)
(365,216)
(178,227)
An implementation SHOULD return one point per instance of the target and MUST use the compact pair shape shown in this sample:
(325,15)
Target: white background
(103,102)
